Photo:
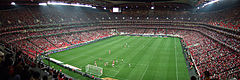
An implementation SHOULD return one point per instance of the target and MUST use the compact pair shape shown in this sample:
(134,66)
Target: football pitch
(135,58)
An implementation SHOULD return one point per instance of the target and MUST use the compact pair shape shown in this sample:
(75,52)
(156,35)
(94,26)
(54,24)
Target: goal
(94,70)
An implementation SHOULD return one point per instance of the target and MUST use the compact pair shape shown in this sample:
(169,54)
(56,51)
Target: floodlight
(152,7)
(42,4)
(13,3)
(211,2)
(94,7)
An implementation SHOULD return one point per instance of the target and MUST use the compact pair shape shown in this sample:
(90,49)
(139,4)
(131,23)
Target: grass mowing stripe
(131,52)
(141,58)
(115,54)
(152,51)
(96,44)
(85,48)
(94,52)
(150,58)
(152,71)
(124,50)
(87,51)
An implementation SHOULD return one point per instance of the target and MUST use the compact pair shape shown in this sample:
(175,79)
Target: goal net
(94,70)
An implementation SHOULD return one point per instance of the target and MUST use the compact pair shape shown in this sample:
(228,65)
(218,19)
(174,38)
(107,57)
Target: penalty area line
(144,72)
(176,58)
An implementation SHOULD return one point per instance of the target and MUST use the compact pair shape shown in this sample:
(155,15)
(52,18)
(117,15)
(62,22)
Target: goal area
(94,70)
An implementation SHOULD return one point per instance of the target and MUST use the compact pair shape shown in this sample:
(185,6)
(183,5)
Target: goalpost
(94,70)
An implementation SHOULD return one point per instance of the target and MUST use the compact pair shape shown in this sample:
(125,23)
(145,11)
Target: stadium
(120,39)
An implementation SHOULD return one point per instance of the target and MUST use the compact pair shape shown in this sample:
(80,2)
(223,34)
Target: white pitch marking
(176,58)
(144,73)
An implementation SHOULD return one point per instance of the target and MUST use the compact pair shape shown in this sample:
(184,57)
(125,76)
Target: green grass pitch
(150,58)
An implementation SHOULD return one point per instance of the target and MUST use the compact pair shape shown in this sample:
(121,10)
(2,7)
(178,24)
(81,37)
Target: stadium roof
(106,2)
(142,4)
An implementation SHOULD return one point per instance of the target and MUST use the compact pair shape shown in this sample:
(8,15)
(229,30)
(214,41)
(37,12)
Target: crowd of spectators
(42,43)
(35,15)
(209,55)
(230,40)
(19,66)
(229,18)
(34,46)
(57,41)
(27,47)
(203,53)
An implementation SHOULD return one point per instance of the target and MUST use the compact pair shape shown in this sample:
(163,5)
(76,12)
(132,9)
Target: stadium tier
(210,41)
